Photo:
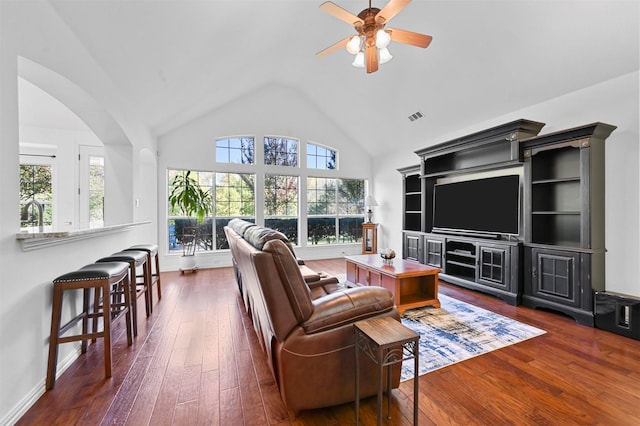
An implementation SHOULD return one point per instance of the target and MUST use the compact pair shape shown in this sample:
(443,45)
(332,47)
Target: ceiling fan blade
(371,53)
(390,10)
(339,45)
(340,13)
(409,37)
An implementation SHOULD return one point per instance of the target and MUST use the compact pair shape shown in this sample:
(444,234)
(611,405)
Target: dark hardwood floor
(197,360)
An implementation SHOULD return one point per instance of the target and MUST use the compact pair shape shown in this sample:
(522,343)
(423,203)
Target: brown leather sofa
(319,282)
(309,342)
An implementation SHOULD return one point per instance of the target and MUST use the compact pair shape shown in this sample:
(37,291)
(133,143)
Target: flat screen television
(489,205)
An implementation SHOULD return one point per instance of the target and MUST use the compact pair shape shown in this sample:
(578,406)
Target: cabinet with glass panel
(564,219)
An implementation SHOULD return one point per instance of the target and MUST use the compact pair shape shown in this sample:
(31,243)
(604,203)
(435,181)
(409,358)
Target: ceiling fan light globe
(384,55)
(382,39)
(353,46)
(358,62)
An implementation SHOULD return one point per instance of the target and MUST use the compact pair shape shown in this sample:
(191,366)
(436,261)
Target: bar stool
(110,284)
(152,259)
(136,259)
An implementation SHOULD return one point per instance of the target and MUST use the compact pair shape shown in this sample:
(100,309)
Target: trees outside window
(190,201)
(281,204)
(235,197)
(319,157)
(239,150)
(280,152)
(35,197)
(335,209)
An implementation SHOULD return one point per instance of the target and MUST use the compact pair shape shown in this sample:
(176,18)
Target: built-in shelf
(560,241)
(38,240)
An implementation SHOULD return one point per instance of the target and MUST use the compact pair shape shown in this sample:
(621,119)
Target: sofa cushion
(297,290)
(257,236)
(240,225)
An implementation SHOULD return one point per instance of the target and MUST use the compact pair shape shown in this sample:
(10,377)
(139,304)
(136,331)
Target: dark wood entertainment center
(556,261)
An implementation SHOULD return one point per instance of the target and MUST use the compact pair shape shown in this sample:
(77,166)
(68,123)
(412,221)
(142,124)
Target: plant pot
(188,263)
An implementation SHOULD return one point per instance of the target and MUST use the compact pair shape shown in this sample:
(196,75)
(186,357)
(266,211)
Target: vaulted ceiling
(176,60)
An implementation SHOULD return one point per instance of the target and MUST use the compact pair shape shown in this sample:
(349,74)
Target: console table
(414,285)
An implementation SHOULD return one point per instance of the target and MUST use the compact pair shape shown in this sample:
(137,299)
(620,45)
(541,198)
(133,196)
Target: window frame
(287,152)
(177,248)
(46,161)
(241,149)
(295,212)
(316,156)
(338,217)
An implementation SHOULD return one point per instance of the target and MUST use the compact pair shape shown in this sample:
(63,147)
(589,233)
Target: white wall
(273,110)
(613,102)
(32,30)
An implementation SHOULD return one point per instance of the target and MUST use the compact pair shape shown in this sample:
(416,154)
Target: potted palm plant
(195,203)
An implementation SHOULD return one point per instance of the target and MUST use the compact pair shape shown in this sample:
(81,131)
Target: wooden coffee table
(414,285)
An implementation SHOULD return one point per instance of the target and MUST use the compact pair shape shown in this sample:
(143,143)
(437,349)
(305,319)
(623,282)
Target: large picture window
(235,197)
(335,209)
(180,221)
(281,204)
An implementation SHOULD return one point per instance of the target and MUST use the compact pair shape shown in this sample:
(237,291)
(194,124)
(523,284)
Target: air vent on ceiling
(415,116)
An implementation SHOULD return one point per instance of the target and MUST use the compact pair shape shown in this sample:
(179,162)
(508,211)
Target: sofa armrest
(323,282)
(348,306)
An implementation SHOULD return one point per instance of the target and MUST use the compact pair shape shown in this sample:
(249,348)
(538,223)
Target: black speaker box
(618,313)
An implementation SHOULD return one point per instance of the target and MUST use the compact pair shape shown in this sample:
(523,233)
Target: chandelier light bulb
(358,62)
(382,39)
(384,55)
(353,46)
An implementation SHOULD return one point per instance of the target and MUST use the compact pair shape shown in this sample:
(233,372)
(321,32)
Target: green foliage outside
(335,207)
(35,184)
(193,202)
(280,195)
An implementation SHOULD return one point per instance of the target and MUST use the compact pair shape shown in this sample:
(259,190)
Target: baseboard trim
(37,391)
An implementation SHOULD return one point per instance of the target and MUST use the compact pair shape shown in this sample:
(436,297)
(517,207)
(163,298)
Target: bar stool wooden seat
(136,259)
(110,284)
(154,265)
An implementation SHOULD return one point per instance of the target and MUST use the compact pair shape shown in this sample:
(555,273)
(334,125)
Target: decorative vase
(387,256)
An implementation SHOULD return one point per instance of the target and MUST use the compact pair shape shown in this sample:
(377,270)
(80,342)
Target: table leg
(416,353)
(389,392)
(380,372)
(357,384)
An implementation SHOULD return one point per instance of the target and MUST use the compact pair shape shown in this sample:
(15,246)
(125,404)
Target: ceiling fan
(370,44)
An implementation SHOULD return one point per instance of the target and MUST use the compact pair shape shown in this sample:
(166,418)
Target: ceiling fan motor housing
(370,26)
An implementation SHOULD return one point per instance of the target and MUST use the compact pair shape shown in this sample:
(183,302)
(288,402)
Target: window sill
(38,240)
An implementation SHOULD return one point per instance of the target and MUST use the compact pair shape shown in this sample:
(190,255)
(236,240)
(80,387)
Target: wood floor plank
(186,413)
(145,400)
(230,409)
(197,360)
(209,401)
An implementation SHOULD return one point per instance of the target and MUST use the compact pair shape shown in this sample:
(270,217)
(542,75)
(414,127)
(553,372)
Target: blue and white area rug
(458,331)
